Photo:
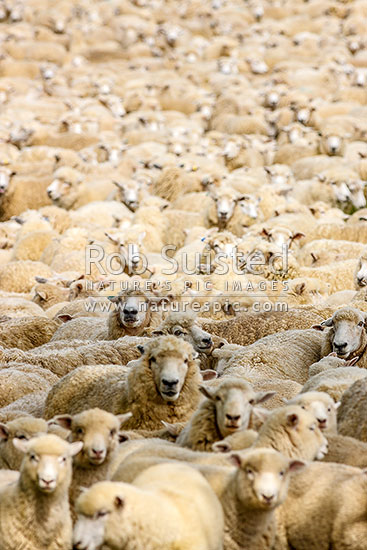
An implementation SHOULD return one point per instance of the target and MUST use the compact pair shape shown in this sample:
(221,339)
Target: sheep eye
(79,431)
(186,361)
(249,472)
(102,513)
(360,324)
(252,401)
(178,333)
(312,428)
(218,398)
(152,360)
(21,436)
(282,473)
(303,407)
(113,432)
(33,457)
(328,409)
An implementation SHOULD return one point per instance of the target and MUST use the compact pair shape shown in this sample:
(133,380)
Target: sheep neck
(247,527)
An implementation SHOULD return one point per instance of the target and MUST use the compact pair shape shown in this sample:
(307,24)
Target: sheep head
(347,334)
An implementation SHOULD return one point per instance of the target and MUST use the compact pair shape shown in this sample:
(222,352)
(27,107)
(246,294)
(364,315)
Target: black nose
(322,422)
(268,498)
(233,418)
(340,346)
(207,341)
(130,311)
(170,383)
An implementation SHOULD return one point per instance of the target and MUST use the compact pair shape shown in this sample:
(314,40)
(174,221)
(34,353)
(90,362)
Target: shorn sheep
(168,506)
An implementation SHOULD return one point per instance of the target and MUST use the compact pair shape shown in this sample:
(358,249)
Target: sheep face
(332,145)
(249,206)
(129,194)
(341,192)
(133,310)
(281,236)
(348,331)
(94,507)
(225,202)
(47,461)
(263,477)
(98,430)
(233,405)
(169,373)
(357,198)
(5,176)
(63,189)
(321,405)
(361,272)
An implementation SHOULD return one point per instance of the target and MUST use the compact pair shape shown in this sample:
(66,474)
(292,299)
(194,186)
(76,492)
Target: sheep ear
(41,280)
(295,465)
(318,327)
(236,460)
(205,391)
(292,420)
(124,417)
(140,348)
(261,414)
(299,289)
(352,362)
(221,446)
(337,404)
(314,257)
(75,448)
(119,502)
(327,322)
(4,432)
(209,374)
(123,436)
(112,239)
(42,294)
(264,233)
(113,299)
(297,236)
(261,397)
(65,317)
(63,420)
(141,236)
(118,184)
(21,445)
(332,354)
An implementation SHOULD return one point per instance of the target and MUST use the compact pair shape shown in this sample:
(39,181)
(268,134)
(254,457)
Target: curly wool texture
(18,380)
(352,417)
(285,355)
(118,389)
(247,328)
(26,333)
(31,404)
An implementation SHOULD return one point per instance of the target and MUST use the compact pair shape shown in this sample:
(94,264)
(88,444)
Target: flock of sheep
(183,275)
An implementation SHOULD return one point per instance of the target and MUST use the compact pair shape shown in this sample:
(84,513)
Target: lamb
(134,312)
(351,413)
(226,409)
(183,512)
(321,405)
(252,492)
(26,333)
(98,430)
(166,375)
(40,497)
(23,428)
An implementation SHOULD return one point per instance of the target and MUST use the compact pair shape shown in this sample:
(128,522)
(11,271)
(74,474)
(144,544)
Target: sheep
(26,333)
(324,251)
(40,497)
(48,294)
(321,405)
(23,428)
(251,494)
(360,275)
(351,414)
(336,489)
(174,519)
(19,380)
(281,355)
(20,307)
(346,335)
(19,193)
(31,404)
(227,408)
(248,327)
(98,430)
(134,312)
(112,388)
(331,361)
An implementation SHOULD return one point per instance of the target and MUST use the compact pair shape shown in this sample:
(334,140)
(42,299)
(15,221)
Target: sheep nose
(268,498)
(340,346)
(233,418)
(130,311)
(322,422)
(49,192)
(97,452)
(207,341)
(170,383)
(78,546)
